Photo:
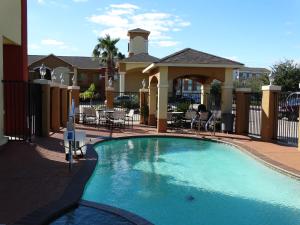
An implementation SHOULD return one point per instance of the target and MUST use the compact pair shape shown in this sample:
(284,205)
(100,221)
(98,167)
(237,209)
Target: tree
(254,83)
(107,51)
(89,93)
(287,75)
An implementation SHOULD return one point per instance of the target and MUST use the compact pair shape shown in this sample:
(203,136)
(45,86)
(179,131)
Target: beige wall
(10,20)
(138,45)
(133,81)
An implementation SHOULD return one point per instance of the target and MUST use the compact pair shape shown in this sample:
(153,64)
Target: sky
(258,33)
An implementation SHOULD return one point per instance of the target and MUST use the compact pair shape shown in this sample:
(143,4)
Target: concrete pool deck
(35,175)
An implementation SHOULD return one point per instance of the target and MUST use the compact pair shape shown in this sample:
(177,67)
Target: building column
(152,105)
(269,117)
(162,100)
(109,97)
(242,110)
(143,105)
(74,92)
(122,81)
(45,106)
(55,107)
(226,96)
(3,140)
(63,105)
(205,91)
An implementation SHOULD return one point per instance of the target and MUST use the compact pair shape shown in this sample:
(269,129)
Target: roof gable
(192,56)
(142,57)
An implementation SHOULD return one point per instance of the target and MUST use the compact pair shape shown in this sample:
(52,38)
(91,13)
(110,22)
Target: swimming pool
(188,181)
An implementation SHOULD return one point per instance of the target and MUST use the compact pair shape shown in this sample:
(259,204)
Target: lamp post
(43,71)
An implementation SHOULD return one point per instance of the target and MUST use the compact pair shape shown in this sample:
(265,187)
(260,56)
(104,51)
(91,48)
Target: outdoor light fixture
(143,83)
(43,71)
(271,78)
(61,78)
(53,77)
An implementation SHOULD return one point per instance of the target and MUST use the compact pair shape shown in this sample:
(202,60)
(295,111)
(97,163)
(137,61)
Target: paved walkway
(33,175)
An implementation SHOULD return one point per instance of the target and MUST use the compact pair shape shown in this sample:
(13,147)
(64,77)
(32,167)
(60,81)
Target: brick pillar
(242,110)
(269,118)
(74,94)
(143,105)
(63,105)
(110,97)
(55,107)
(45,106)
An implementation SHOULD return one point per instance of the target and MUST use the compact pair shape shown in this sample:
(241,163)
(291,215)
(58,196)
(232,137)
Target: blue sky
(254,32)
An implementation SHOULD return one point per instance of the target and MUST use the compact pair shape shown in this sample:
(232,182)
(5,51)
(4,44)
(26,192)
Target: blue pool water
(171,181)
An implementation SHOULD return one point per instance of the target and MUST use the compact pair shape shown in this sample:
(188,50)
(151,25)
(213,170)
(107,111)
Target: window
(190,85)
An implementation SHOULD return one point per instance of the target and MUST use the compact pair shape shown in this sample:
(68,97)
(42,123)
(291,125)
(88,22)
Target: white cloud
(167,43)
(52,42)
(124,6)
(80,0)
(34,47)
(117,19)
(57,44)
(41,1)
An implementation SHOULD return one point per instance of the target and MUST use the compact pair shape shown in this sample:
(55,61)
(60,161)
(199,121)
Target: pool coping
(71,198)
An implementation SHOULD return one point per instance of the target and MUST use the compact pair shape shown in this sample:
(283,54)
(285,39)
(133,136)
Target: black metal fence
(234,110)
(23,110)
(255,110)
(123,101)
(288,118)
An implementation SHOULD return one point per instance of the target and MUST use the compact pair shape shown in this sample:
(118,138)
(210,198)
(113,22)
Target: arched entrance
(153,82)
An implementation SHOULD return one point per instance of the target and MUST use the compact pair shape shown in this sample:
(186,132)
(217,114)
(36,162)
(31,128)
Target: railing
(22,106)
(288,118)
(123,101)
(255,114)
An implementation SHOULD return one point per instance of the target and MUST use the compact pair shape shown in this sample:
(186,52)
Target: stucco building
(13,59)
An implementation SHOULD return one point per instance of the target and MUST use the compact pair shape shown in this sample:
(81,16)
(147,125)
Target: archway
(153,82)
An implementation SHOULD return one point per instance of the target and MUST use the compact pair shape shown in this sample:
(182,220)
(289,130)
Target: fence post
(110,97)
(64,105)
(45,105)
(55,107)
(242,110)
(143,104)
(269,118)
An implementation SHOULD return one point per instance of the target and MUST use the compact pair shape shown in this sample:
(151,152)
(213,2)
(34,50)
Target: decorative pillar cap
(144,90)
(109,89)
(53,84)
(247,90)
(73,88)
(63,86)
(271,88)
(42,81)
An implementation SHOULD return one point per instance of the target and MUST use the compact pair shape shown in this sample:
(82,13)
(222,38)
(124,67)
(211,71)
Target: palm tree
(107,51)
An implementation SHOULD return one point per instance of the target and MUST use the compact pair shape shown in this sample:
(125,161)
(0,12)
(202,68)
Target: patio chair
(117,119)
(214,121)
(101,118)
(170,120)
(89,115)
(200,121)
(129,117)
(189,116)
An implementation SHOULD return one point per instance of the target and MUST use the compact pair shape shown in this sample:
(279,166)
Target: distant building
(250,72)
(86,70)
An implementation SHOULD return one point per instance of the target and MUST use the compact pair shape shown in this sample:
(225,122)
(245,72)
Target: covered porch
(193,64)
